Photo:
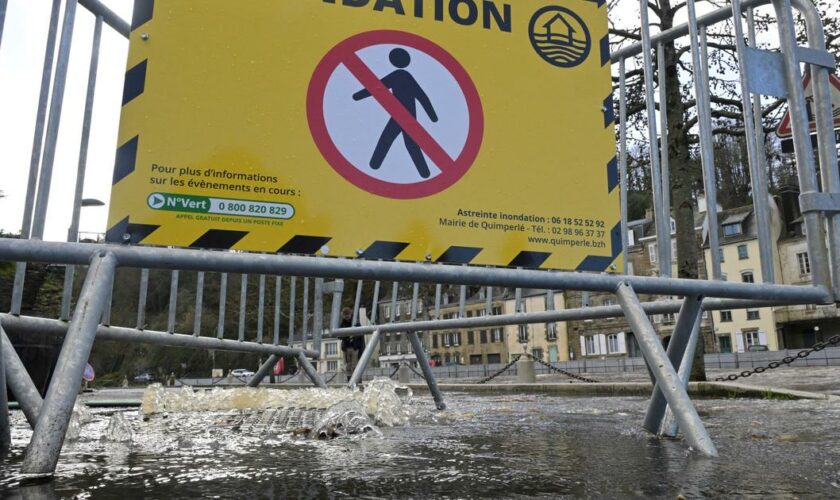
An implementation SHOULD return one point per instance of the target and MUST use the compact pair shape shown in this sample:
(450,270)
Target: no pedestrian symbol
(395,114)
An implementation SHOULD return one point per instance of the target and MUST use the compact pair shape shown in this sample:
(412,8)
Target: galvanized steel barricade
(820,202)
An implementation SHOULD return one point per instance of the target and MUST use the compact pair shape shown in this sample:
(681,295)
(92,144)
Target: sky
(21,64)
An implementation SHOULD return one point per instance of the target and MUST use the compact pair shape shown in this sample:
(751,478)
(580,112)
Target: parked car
(241,373)
(144,377)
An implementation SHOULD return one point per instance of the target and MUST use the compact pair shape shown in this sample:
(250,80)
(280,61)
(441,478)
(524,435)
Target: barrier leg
(669,425)
(362,364)
(666,376)
(689,317)
(263,371)
(20,382)
(5,430)
(310,371)
(417,346)
(41,456)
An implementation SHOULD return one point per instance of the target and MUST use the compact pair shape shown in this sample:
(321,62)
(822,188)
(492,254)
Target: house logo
(560,36)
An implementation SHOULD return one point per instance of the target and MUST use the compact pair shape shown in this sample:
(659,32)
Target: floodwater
(483,446)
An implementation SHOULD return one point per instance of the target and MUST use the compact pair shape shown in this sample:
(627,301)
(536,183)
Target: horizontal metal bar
(110,17)
(579,314)
(822,58)
(819,202)
(201,260)
(682,30)
(33,326)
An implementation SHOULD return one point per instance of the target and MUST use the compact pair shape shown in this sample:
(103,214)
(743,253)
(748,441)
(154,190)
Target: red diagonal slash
(397,111)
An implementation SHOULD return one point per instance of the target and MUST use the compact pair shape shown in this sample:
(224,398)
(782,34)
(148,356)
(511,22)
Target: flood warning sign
(468,132)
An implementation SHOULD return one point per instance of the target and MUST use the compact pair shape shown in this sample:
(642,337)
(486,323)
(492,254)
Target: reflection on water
(483,447)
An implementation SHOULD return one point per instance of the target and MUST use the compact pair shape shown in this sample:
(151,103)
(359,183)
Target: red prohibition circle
(318,126)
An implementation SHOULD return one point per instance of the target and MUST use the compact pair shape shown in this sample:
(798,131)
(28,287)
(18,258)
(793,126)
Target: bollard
(339,379)
(403,374)
(525,372)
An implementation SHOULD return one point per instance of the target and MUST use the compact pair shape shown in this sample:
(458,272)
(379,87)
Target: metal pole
(305,313)
(805,167)
(488,306)
(173,302)
(394,290)
(261,310)
(141,303)
(375,305)
(665,163)
(19,382)
(292,297)
(2,17)
(423,361)
(263,370)
(310,371)
(220,327)
(438,290)
(109,298)
(199,303)
(42,453)
(40,121)
(663,370)
(622,160)
(243,302)
(758,177)
(687,319)
(364,360)
(704,119)
(357,303)
(462,301)
(278,294)
(318,312)
(73,231)
(335,310)
(56,102)
(669,426)
(663,233)
(5,429)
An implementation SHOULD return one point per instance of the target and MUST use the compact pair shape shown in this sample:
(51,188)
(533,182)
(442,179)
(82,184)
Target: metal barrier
(90,318)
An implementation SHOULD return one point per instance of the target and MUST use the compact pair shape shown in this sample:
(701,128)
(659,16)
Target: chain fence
(787,360)
(554,369)
(501,371)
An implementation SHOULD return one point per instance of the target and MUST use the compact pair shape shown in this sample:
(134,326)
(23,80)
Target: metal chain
(785,361)
(416,372)
(331,378)
(502,370)
(562,372)
(394,372)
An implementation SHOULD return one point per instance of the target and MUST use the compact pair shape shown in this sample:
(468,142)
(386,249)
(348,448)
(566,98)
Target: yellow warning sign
(459,131)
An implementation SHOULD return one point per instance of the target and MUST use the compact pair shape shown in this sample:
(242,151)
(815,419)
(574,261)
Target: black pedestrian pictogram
(408,92)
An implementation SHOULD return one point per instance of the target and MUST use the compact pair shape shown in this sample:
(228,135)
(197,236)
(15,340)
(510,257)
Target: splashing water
(119,430)
(348,411)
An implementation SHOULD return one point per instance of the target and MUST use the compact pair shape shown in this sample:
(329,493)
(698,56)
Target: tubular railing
(309,279)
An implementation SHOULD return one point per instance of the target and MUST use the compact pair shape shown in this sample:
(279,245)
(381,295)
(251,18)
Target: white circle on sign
(156,200)
(356,126)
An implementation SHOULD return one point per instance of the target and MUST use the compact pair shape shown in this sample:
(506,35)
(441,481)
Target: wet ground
(484,446)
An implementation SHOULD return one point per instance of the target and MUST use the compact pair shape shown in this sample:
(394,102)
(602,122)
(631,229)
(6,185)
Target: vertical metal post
(261,309)
(292,298)
(664,158)
(278,294)
(758,176)
(220,326)
(305,313)
(423,361)
(310,371)
(462,301)
(20,383)
(394,290)
(375,304)
(335,310)
(666,376)
(669,426)
(438,290)
(357,303)
(56,103)
(622,159)
(318,315)
(689,317)
(488,306)
(42,453)
(141,302)
(173,302)
(364,360)
(5,429)
(73,231)
(699,60)
(243,304)
(662,220)
(199,303)
(2,18)
(826,144)
(35,159)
